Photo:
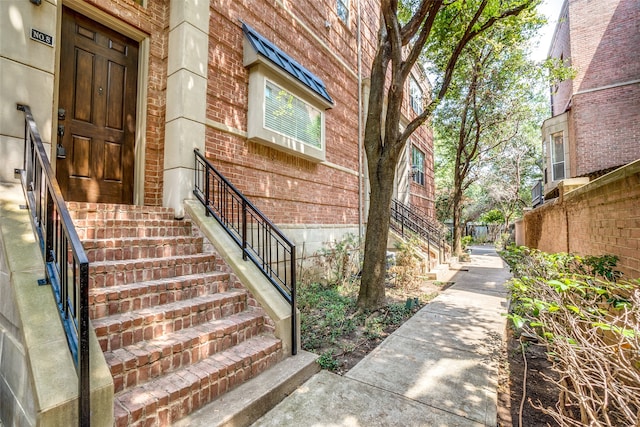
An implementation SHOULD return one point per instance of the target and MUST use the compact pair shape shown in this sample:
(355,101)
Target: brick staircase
(177,330)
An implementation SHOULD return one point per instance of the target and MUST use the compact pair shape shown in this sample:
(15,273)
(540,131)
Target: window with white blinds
(290,116)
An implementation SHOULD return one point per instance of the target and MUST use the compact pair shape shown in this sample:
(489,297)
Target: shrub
(590,322)
(340,259)
(407,271)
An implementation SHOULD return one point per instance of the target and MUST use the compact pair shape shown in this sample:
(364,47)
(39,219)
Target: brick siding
(291,190)
(601,40)
(605,42)
(600,218)
(607,128)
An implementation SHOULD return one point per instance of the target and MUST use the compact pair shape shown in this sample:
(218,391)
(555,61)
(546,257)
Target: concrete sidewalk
(438,369)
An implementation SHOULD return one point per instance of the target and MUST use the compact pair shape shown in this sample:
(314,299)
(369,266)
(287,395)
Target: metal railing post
(294,309)
(84,386)
(244,229)
(206,189)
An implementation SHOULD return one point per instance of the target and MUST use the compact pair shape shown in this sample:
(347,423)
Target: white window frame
(416,96)
(554,161)
(342,9)
(258,132)
(295,99)
(417,170)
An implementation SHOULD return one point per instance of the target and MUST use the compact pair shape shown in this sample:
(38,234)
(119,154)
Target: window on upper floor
(417,165)
(557,156)
(287,103)
(342,8)
(415,95)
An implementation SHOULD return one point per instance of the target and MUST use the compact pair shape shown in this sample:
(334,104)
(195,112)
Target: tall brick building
(595,117)
(196,79)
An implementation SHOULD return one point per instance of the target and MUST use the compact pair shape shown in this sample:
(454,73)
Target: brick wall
(423,196)
(600,218)
(606,128)
(601,40)
(605,46)
(605,42)
(289,189)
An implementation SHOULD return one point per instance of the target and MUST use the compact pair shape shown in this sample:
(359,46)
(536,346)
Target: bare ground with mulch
(512,378)
(349,349)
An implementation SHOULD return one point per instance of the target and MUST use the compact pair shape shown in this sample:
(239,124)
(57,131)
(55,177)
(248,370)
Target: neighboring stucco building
(130,88)
(595,117)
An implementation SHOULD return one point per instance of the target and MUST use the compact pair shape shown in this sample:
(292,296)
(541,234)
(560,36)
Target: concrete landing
(438,369)
(249,401)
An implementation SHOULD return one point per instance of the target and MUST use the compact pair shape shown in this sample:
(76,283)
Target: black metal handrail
(260,240)
(410,221)
(66,264)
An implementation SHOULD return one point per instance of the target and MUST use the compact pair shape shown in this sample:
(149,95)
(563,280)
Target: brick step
(119,299)
(123,228)
(166,399)
(124,329)
(111,273)
(83,211)
(141,247)
(138,363)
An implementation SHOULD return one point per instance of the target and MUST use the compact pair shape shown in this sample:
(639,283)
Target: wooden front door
(97,111)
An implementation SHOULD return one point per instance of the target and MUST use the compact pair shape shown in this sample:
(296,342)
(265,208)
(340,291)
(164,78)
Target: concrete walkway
(438,369)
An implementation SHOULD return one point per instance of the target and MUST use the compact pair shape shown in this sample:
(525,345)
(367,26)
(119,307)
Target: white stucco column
(186,98)
(26,77)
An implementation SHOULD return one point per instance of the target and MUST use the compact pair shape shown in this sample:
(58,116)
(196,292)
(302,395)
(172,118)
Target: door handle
(61,153)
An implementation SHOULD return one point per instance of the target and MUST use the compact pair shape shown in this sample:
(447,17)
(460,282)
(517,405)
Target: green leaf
(518,321)
(553,308)
(574,309)
(603,326)
(628,333)
(558,285)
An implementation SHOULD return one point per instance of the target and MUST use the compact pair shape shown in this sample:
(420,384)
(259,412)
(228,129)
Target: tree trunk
(457,229)
(371,295)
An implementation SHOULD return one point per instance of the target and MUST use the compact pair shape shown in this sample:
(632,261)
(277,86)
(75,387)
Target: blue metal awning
(270,51)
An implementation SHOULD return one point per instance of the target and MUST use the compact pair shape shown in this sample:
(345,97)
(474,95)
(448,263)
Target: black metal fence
(66,264)
(260,240)
(412,222)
